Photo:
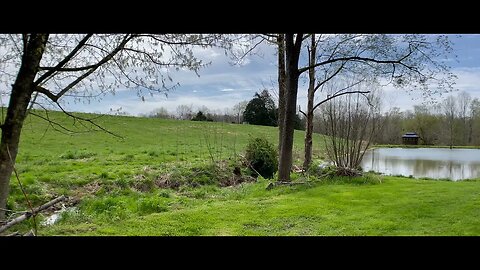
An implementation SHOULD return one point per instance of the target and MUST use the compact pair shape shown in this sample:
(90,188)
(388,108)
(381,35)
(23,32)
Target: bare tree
(328,73)
(185,112)
(401,60)
(464,100)
(238,110)
(475,121)
(393,127)
(351,123)
(425,124)
(450,111)
(161,113)
(85,66)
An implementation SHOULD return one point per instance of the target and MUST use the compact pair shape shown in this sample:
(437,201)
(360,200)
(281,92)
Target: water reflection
(455,164)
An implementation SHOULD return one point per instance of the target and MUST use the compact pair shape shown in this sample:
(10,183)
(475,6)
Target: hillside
(112,185)
(64,156)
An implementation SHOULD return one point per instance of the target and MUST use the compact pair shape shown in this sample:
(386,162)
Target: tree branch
(107,58)
(46,92)
(52,123)
(197,41)
(329,78)
(34,212)
(337,95)
(89,121)
(59,66)
(302,112)
(358,58)
(239,59)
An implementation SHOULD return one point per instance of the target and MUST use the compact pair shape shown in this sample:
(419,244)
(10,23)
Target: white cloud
(136,106)
(221,85)
(468,81)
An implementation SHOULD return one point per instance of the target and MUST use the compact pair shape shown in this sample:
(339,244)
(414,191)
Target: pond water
(436,163)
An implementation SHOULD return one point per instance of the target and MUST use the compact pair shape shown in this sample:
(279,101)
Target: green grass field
(114,181)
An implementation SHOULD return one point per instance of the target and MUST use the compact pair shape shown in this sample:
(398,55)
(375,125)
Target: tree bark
(292,53)
(281,87)
(16,112)
(309,115)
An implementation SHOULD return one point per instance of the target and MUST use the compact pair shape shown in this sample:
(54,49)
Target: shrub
(262,156)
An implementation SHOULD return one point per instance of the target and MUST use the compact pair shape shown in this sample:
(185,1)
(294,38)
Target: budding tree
(413,61)
(53,67)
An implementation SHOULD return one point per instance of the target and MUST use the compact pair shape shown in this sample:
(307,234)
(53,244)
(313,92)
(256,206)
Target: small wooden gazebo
(410,138)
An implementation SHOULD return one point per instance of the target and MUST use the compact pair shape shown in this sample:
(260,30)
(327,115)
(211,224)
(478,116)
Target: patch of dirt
(139,177)
(92,187)
(236,180)
(164,181)
(142,186)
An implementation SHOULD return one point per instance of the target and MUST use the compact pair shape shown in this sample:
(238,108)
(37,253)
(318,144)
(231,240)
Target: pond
(436,163)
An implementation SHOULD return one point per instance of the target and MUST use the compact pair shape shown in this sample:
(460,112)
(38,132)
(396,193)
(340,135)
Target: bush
(262,156)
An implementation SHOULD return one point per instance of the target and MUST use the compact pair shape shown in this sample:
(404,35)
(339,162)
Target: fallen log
(27,215)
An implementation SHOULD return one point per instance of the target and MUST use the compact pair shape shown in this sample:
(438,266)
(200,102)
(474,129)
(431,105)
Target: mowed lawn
(102,171)
(397,206)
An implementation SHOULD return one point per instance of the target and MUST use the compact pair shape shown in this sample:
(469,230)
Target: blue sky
(222,85)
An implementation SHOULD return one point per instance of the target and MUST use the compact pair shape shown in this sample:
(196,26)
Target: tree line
(453,121)
(260,110)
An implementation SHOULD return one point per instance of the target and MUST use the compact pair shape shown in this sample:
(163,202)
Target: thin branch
(306,36)
(239,59)
(21,188)
(33,213)
(46,92)
(53,124)
(302,112)
(89,121)
(197,41)
(25,42)
(329,78)
(358,58)
(59,66)
(337,95)
(341,42)
(68,69)
(348,87)
(107,58)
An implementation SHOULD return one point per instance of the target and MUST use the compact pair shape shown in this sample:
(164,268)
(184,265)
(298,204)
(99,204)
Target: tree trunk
(281,87)
(308,134)
(292,52)
(17,108)
(309,115)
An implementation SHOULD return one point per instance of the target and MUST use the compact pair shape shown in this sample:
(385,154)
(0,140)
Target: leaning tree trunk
(281,87)
(309,115)
(292,52)
(16,112)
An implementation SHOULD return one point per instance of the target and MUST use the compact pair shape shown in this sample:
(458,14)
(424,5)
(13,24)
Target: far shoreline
(423,146)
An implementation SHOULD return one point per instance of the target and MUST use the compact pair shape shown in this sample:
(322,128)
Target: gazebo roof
(410,135)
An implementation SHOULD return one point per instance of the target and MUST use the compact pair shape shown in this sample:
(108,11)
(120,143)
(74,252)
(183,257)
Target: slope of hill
(115,185)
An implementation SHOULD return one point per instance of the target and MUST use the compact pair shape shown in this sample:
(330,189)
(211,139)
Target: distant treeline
(261,110)
(453,121)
